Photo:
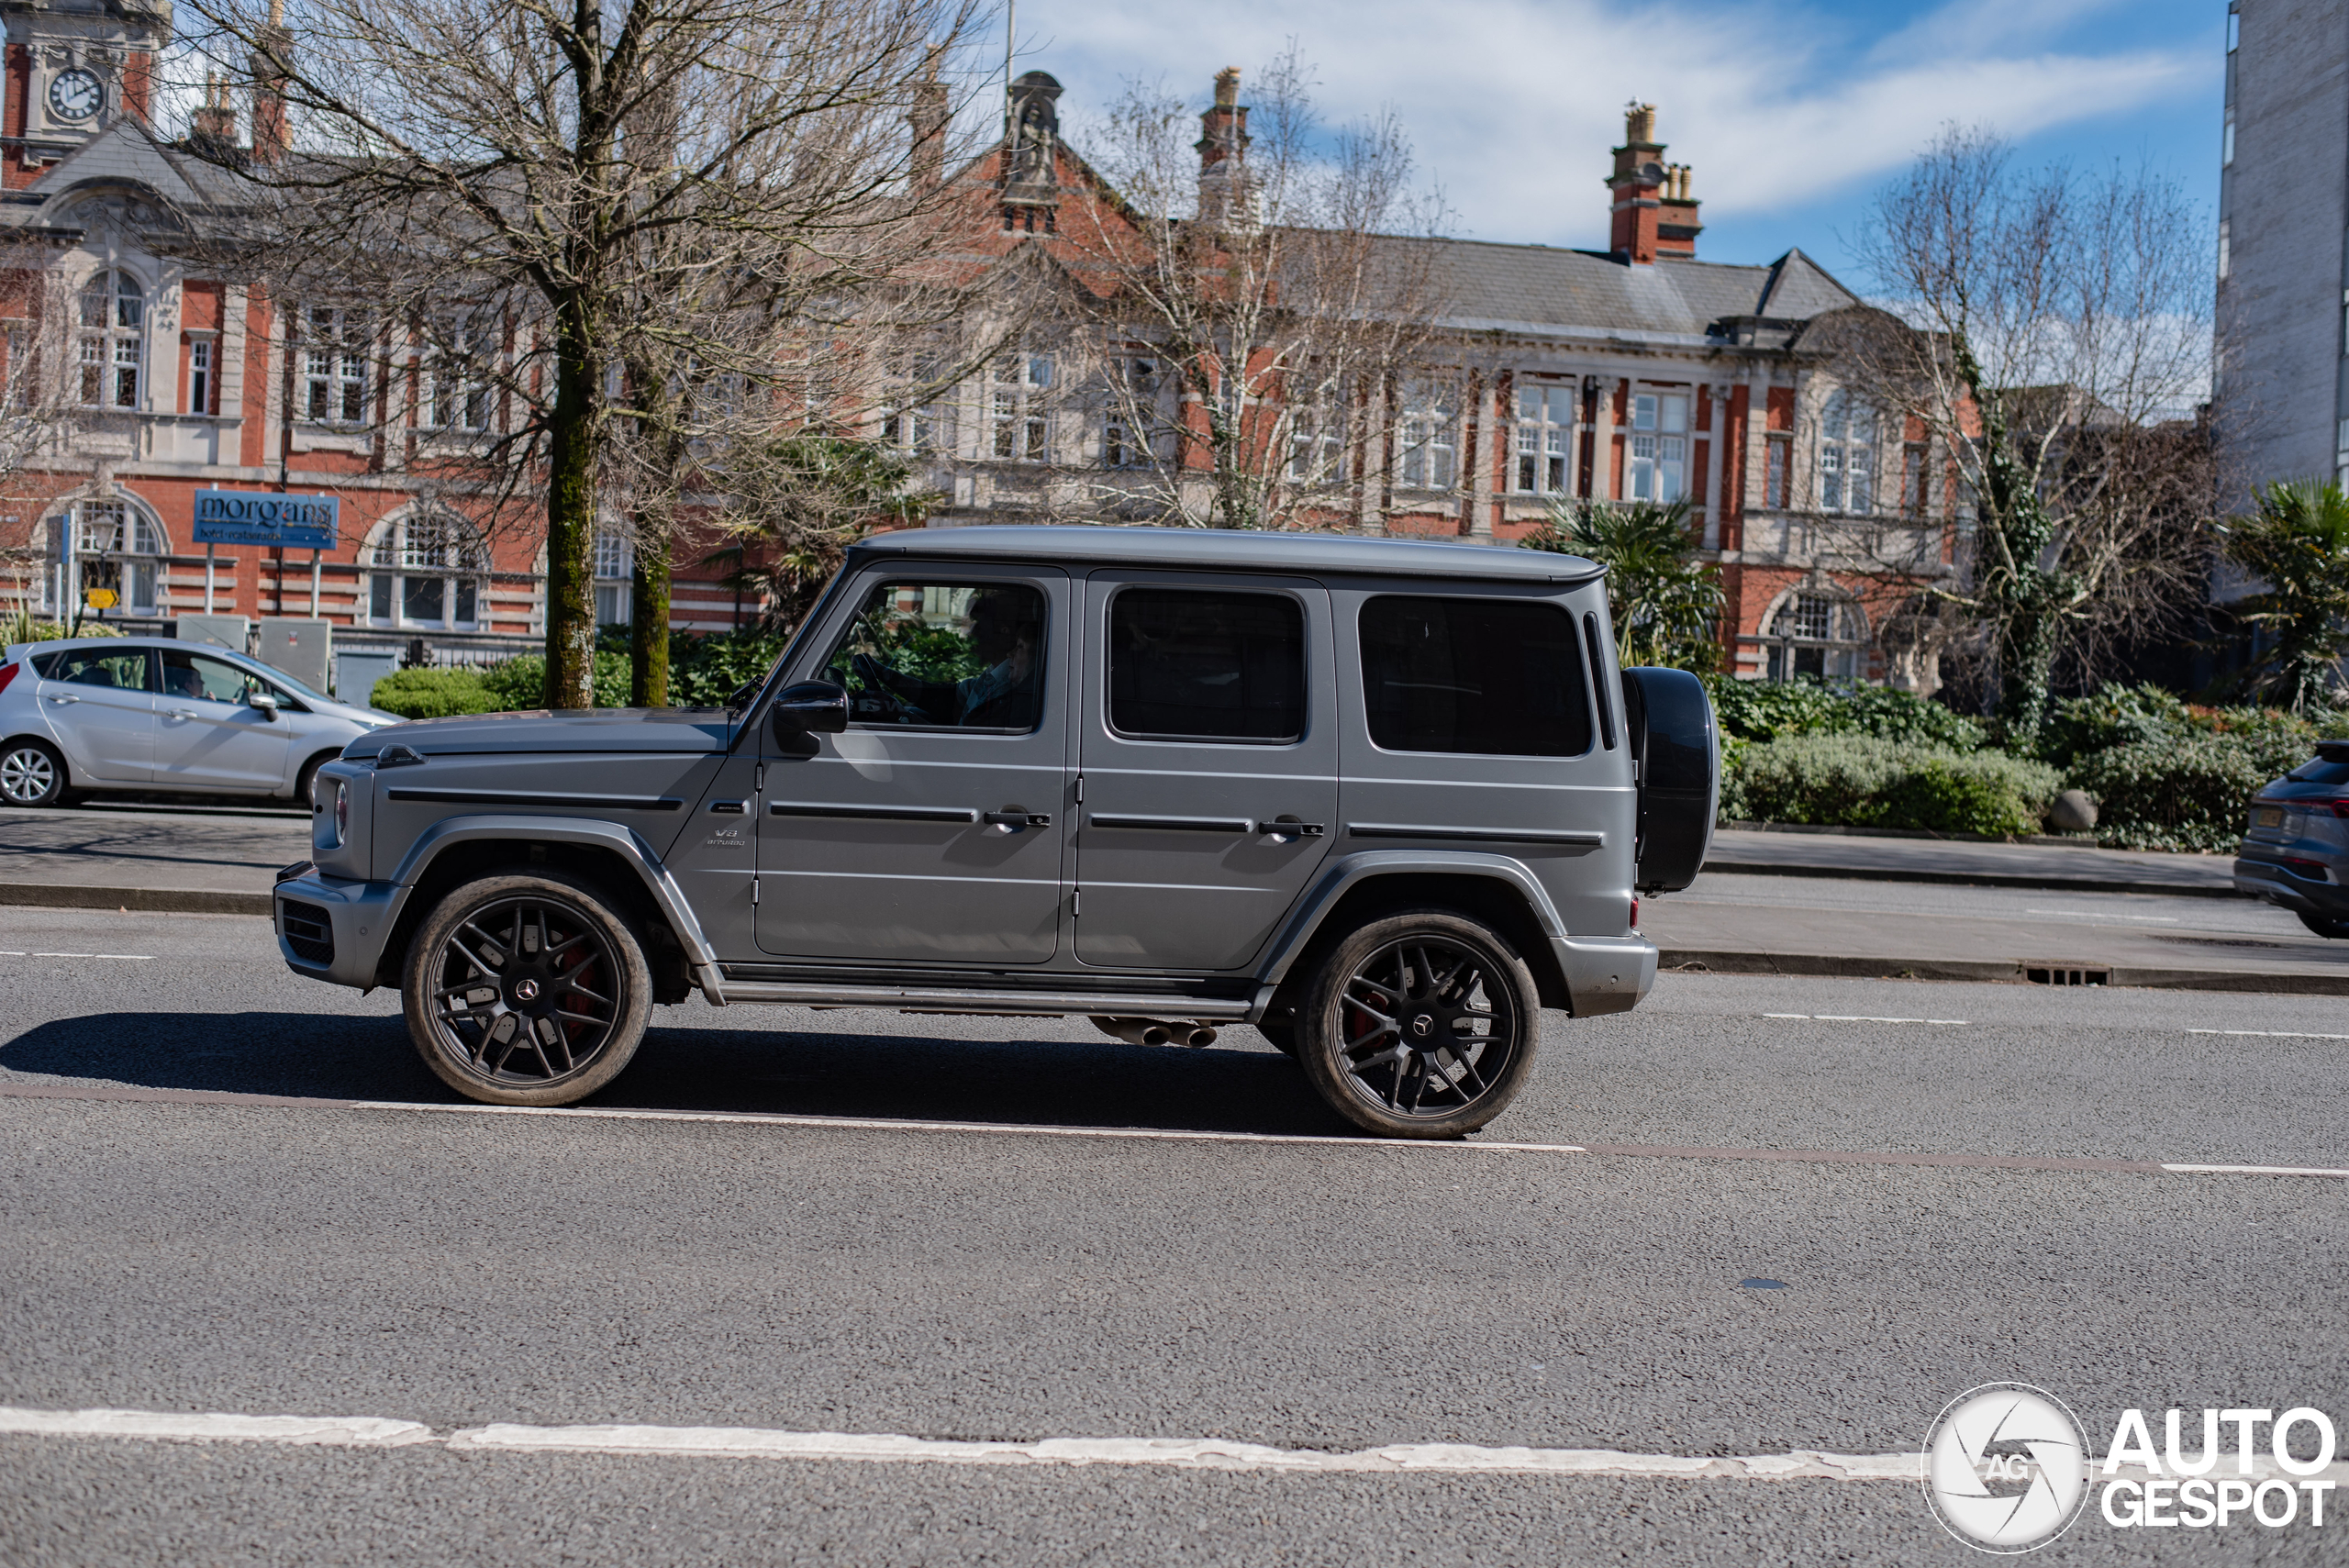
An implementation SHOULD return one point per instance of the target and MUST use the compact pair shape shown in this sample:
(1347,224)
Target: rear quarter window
(1499,677)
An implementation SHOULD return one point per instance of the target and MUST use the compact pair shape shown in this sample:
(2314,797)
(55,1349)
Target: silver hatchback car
(133,714)
(2296,852)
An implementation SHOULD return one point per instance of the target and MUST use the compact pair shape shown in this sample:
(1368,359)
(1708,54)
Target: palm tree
(2297,545)
(799,503)
(1663,600)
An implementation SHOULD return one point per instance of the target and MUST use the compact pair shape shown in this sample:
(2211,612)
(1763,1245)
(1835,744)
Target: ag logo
(2006,1468)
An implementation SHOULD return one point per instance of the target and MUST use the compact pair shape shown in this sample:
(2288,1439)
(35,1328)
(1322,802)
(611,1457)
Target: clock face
(74,94)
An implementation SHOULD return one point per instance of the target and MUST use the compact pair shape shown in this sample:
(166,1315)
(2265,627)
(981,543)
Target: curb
(139,900)
(1694,960)
(1977,879)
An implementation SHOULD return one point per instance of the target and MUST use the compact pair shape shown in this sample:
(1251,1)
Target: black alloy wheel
(31,775)
(1426,1026)
(525,991)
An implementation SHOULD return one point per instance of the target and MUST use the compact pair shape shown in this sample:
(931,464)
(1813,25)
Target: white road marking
(1181,1453)
(2269,1034)
(136,957)
(2095,917)
(882,1124)
(2254,1171)
(1860,1019)
(345,1430)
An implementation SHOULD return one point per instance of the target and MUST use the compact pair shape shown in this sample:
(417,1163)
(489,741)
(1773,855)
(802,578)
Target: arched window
(1818,634)
(427,570)
(107,560)
(112,329)
(1847,455)
(615,562)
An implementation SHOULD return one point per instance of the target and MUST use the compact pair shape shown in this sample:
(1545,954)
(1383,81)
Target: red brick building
(1639,371)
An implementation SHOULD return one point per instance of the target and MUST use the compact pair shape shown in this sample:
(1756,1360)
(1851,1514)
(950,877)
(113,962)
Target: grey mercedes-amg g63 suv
(1383,801)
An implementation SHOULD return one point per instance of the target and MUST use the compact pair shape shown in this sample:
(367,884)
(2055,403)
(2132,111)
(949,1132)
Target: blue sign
(264,517)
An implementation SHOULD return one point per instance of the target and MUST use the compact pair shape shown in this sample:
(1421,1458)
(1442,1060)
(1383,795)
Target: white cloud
(1513,103)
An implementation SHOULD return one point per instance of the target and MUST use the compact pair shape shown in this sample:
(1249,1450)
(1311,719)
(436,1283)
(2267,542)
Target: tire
(2336,929)
(493,950)
(306,784)
(1365,1062)
(32,774)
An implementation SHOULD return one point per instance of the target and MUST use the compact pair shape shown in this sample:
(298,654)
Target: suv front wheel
(1420,1024)
(525,991)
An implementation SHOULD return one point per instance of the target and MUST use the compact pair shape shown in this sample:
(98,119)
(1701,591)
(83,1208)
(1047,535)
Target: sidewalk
(214,863)
(2057,868)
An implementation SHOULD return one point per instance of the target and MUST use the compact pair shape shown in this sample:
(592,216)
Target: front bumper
(332,928)
(1604,975)
(2278,883)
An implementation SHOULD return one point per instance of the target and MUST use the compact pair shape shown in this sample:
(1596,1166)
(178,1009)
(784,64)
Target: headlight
(341,812)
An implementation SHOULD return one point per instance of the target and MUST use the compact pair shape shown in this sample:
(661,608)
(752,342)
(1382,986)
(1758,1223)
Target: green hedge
(1773,710)
(2182,793)
(1860,780)
(702,671)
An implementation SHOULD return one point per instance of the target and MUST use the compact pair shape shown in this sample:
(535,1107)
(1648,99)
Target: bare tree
(1253,301)
(488,181)
(2053,343)
(47,397)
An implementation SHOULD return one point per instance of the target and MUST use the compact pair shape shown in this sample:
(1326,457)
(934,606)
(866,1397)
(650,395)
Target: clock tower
(74,68)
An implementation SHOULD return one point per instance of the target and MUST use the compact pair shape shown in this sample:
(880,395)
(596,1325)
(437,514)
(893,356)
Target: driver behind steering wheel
(1006,633)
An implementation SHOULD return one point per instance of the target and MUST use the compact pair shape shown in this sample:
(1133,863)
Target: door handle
(1286,828)
(1011,821)
(179,713)
(62,698)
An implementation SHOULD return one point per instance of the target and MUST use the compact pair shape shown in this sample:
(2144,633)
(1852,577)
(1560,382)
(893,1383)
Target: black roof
(1071,544)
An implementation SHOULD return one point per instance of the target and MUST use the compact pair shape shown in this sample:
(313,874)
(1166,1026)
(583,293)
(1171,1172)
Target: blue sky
(1791,111)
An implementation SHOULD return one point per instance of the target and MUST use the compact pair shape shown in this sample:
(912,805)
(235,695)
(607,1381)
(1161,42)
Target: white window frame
(418,548)
(1848,431)
(1817,622)
(1019,422)
(334,366)
(612,559)
(1541,459)
(203,373)
(1656,466)
(110,316)
(1427,442)
(114,532)
(455,393)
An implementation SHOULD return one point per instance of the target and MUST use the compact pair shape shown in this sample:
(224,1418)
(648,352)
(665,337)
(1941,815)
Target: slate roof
(1533,288)
(126,153)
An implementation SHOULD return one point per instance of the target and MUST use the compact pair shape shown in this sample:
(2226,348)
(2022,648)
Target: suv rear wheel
(525,991)
(1420,1024)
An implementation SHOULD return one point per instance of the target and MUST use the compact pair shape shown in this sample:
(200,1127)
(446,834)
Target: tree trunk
(648,641)
(575,438)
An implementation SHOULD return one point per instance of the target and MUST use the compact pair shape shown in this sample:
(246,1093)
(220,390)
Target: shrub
(1773,710)
(432,693)
(2187,791)
(703,671)
(1865,782)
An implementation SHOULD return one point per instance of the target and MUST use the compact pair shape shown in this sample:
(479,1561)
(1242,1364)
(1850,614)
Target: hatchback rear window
(1497,677)
(1192,665)
(2320,772)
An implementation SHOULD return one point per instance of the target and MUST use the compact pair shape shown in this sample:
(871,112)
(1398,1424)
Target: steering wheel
(881,692)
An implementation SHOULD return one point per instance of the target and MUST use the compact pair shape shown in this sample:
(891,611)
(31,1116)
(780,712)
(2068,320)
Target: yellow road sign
(99,598)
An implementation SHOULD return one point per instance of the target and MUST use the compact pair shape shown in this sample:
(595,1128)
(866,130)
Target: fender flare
(659,885)
(1341,874)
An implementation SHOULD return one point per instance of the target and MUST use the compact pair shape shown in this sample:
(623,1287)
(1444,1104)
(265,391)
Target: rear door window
(1496,677)
(123,669)
(1193,664)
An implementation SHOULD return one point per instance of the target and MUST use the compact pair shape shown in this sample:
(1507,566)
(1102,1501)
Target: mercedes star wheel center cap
(527,990)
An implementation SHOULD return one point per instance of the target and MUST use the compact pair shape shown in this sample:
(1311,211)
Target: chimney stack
(214,125)
(1224,198)
(271,137)
(928,117)
(1653,215)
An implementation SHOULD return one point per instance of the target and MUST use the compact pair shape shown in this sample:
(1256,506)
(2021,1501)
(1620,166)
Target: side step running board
(914,999)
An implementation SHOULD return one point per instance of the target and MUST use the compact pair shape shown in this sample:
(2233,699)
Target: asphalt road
(1303,1289)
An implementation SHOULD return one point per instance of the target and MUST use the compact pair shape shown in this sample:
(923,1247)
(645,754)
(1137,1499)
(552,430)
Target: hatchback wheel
(1420,1024)
(525,991)
(31,775)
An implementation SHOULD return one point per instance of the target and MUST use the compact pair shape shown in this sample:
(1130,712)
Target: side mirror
(263,703)
(811,707)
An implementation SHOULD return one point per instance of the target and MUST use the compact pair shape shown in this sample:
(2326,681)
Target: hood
(605,730)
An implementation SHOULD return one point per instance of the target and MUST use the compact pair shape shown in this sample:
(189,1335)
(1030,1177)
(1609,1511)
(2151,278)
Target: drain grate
(2067,974)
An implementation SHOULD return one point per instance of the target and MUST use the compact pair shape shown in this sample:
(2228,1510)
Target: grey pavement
(1823,852)
(457,1269)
